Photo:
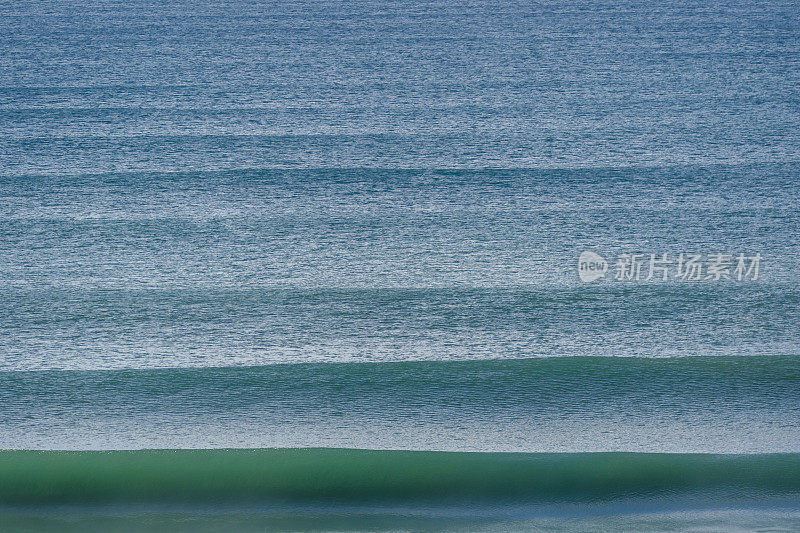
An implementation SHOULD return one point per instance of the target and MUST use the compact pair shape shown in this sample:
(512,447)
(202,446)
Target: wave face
(340,489)
(360,490)
(365,477)
(689,404)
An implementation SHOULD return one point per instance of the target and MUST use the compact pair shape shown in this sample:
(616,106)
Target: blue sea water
(357,225)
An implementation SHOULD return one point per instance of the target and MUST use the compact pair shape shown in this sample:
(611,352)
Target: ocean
(308,266)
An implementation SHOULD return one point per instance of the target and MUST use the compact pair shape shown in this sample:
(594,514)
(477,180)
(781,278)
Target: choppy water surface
(358,225)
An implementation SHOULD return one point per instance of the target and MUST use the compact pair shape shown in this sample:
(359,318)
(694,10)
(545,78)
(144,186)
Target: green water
(304,488)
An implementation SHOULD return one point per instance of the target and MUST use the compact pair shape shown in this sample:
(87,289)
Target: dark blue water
(193,185)
(91,87)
